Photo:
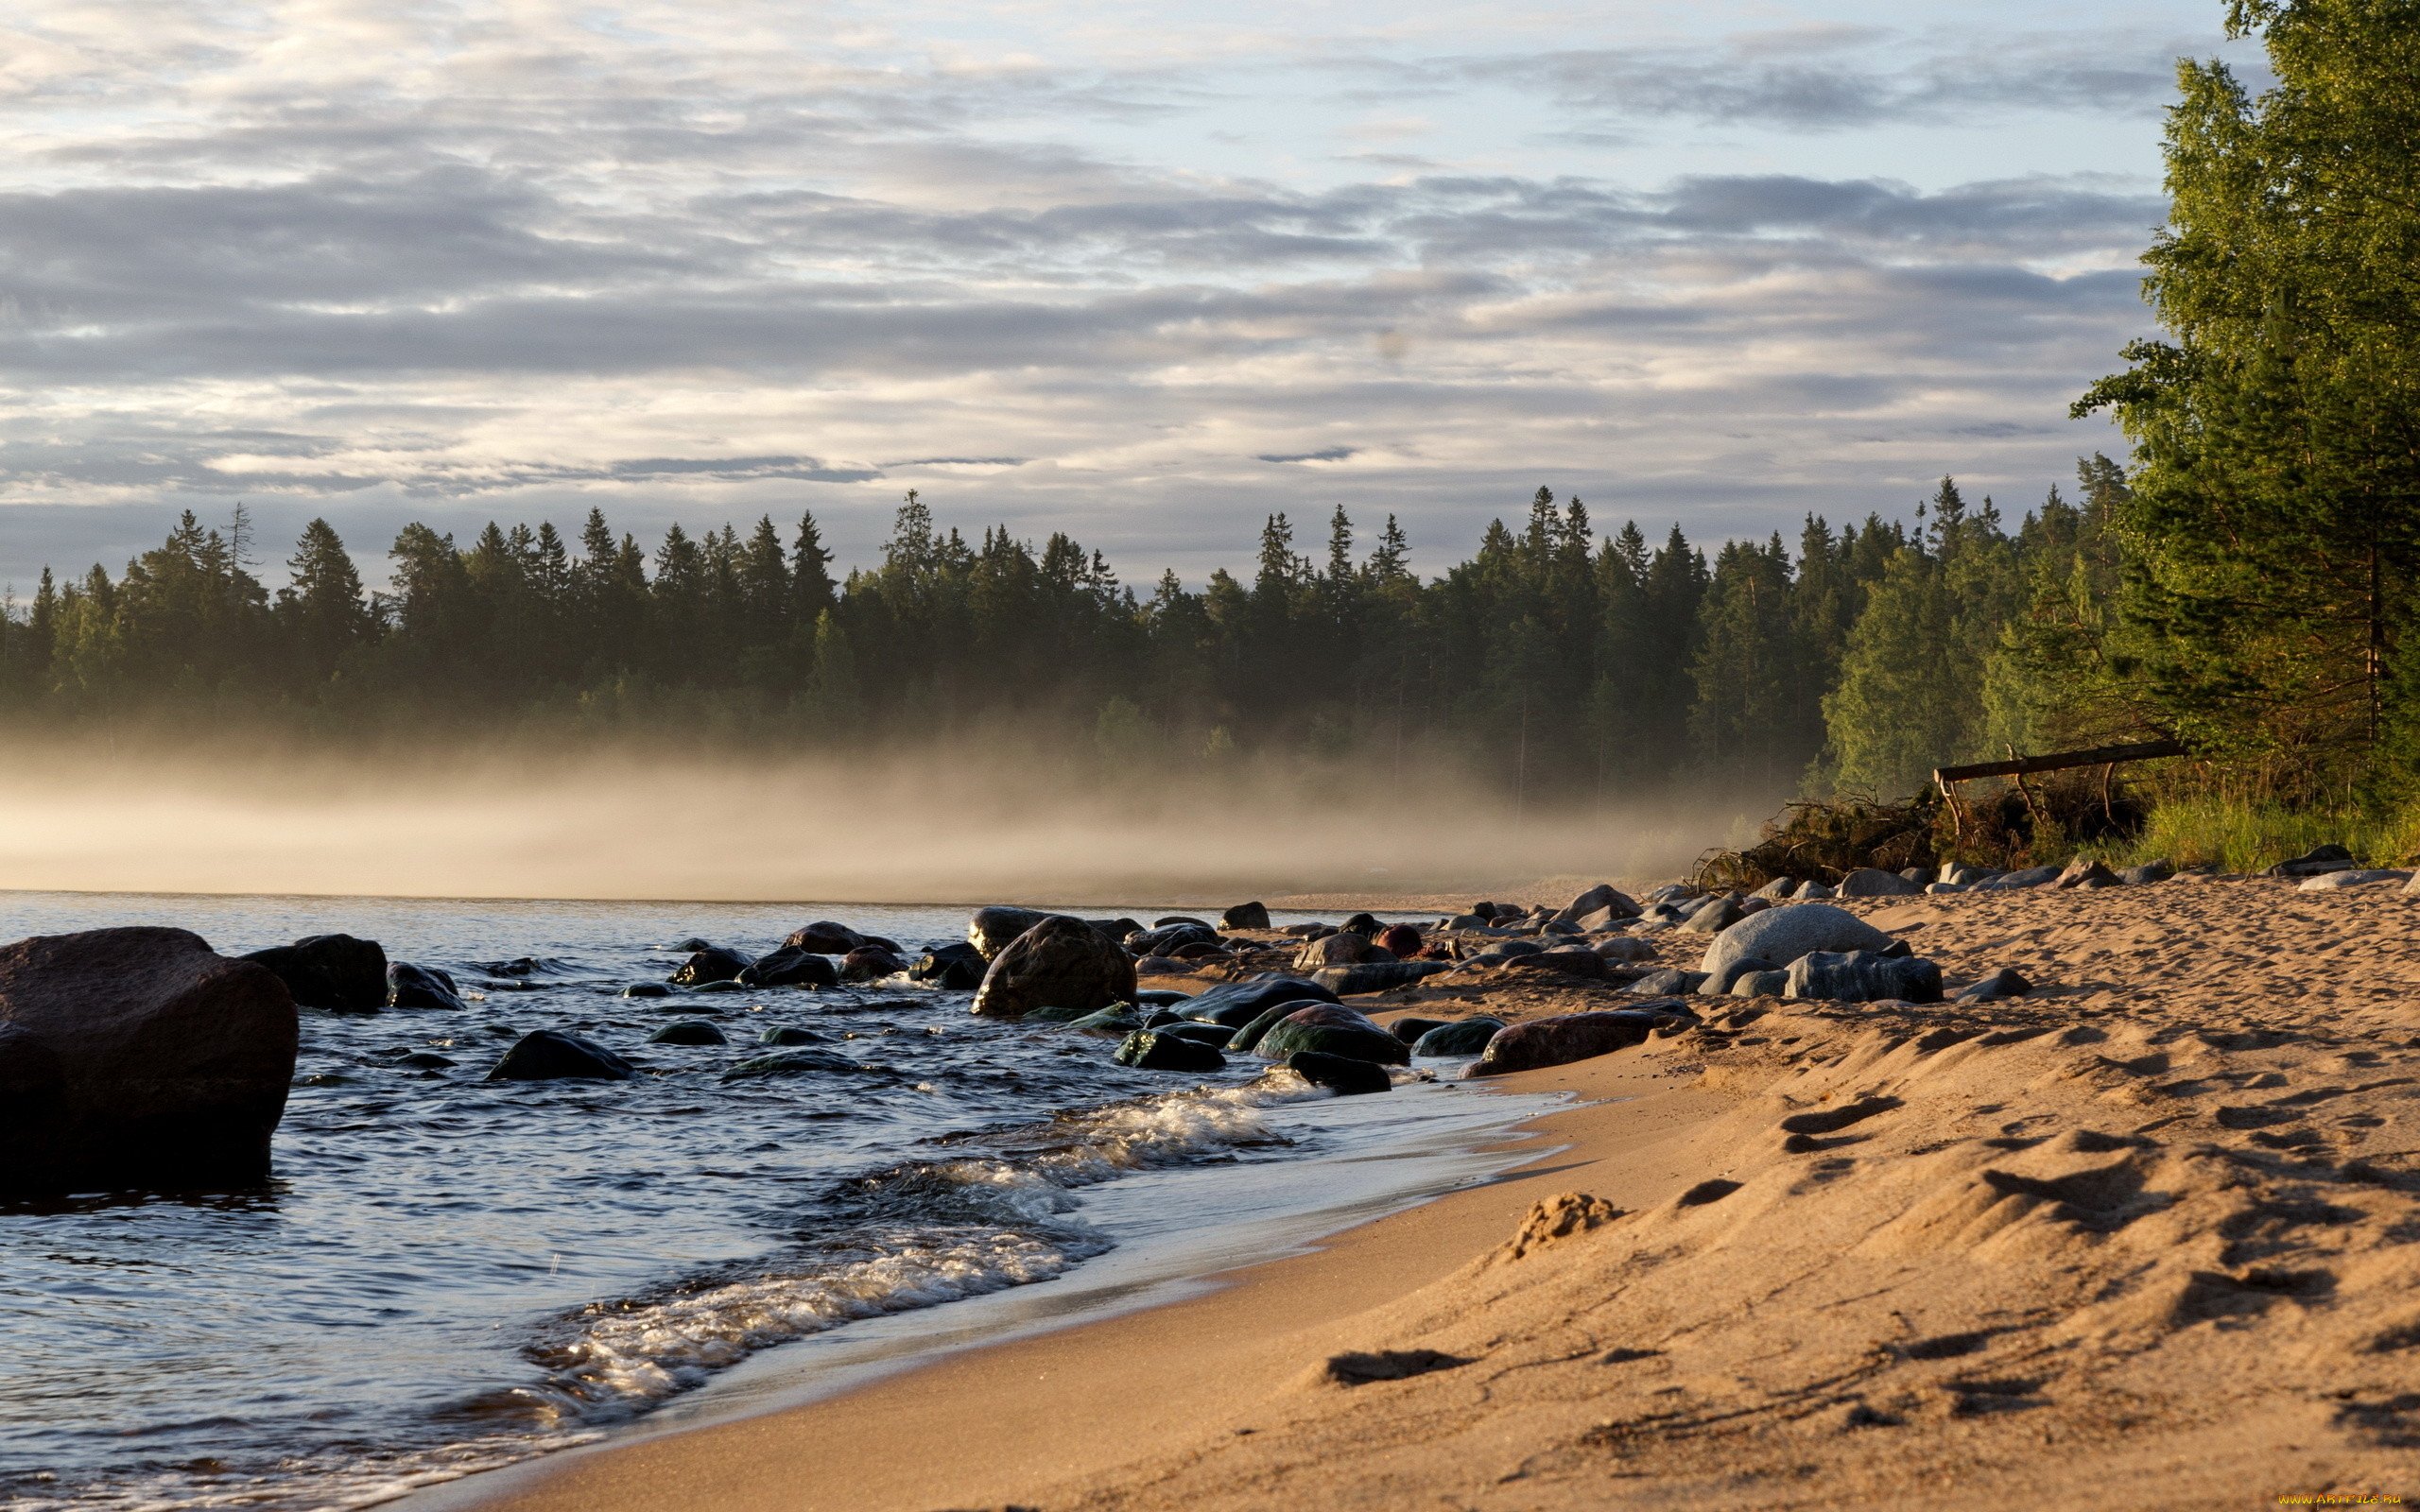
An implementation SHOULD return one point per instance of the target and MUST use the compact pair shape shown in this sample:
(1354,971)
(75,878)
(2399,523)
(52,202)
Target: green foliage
(2240,833)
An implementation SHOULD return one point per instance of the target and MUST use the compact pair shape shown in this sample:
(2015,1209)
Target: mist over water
(984,821)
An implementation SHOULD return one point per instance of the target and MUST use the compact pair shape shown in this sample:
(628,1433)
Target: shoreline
(1245,1317)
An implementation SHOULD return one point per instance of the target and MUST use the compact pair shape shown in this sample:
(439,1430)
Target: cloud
(1325,454)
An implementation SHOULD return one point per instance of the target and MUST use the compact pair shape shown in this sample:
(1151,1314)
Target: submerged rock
(138,1058)
(715,963)
(823,937)
(955,968)
(688,1032)
(804,1062)
(791,966)
(646,990)
(1059,962)
(421,987)
(557,1054)
(1118,1020)
(1464,1037)
(870,963)
(1572,1037)
(330,972)
(783,1034)
(1341,1074)
(1161,1050)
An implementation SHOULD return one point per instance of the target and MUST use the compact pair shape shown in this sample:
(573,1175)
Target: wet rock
(1237,1003)
(715,963)
(335,972)
(1200,1034)
(426,1060)
(1115,930)
(691,944)
(1117,1020)
(556,1055)
(1059,960)
(823,937)
(1333,1029)
(646,990)
(2318,861)
(1168,939)
(870,963)
(1667,982)
(783,1034)
(1375,976)
(688,1032)
(1570,1036)
(1863,976)
(955,968)
(790,966)
(802,1063)
(2005,983)
(1152,997)
(1783,935)
(1604,898)
(1248,1037)
(1154,1050)
(1873,882)
(1722,978)
(990,930)
(1343,948)
(1245,915)
(420,986)
(138,1058)
(1410,1027)
(1341,1074)
(1464,1037)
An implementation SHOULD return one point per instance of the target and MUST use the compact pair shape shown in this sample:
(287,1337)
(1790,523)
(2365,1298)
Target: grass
(2238,835)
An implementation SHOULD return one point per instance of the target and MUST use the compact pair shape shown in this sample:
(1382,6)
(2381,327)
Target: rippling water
(448,1274)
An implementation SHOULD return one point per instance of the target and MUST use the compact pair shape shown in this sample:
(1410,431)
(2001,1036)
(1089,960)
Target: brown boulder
(138,1058)
(1571,1036)
(1059,963)
(1343,948)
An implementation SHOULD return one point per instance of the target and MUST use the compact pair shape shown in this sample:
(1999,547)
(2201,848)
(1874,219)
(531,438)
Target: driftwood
(2104,757)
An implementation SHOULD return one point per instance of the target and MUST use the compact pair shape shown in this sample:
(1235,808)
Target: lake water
(448,1274)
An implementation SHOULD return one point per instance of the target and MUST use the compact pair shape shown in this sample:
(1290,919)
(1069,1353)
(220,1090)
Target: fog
(994,822)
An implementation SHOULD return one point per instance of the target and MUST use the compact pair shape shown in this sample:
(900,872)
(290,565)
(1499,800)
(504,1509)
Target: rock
(1117,1020)
(1464,1037)
(1570,1036)
(1375,976)
(2334,880)
(330,972)
(1248,1037)
(138,1058)
(420,986)
(990,930)
(790,966)
(783,1034)
(2005,983)
(1400,941)
(556,1055)
(1115,930)
(1237,1003)
(1335,1030)
(1722,978)
(1152,997)
(1341,1074)
(1411,1026)
(805,1062)
(870,963)
(1760,984)
(1914,874)
(1777,889)
(1575,960)
(823,937)
(715,963)
(688,1032)
(1873,882)
(1665,983)
(1604,898)
(1713,918)
(1245,915)
(1783,935)
(2149,872)
(2315,861)
(1863,976)
(1465,921)
(1814,890)
(1625,948)
(1165,966)
(1062,1013)
(1060,961)
(1939,889)
(1155,1050)
(955,968)
(2028,877)
(2082,872)
(426,1060)
(1343,948)
(1200,1034)
(1364,924)
(1180,918)
(646,990)
(692,945)
(1504,950)
(1166,941)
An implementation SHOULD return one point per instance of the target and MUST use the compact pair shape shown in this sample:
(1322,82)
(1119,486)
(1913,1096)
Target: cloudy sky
(1139,271)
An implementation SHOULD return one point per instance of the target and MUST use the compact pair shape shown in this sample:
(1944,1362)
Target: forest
(2243,581)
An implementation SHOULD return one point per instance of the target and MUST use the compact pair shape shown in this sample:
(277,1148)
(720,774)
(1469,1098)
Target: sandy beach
(2145,1238)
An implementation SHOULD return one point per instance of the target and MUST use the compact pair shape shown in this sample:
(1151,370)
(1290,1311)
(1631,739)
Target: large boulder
(1164,939)
(1570,1036)
(1569,960)
(1465,1036)
(1249,1037)
(138,1058)
(1873,882)
(1245,915)
(1340,1075)
(421,987)
(1714,916)
(823,937)
(2317,861)
(1333,1029)
(557,1054)
(715,963)
(1862,977)
(1783,935)
(1603,898)
(990,930)
(1060,962)
(870,963)
(1237,1003)
(790,966)
(1346,946)
(330,972)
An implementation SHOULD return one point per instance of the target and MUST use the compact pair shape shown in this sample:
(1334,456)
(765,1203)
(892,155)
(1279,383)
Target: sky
(1140,272)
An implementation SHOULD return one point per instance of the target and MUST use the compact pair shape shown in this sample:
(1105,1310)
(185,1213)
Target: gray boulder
(1060,962)
(2147,873)
(2333,881)
(1713,916)
(1666,983)
(138,1058)
(2028,877)
(1625,948)
(2084,873)
(1783,935)
(1718,981)
(1815,890)
(1602,898)
(1777,889)
(1863,976)
(1760,984)
(1873,882)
